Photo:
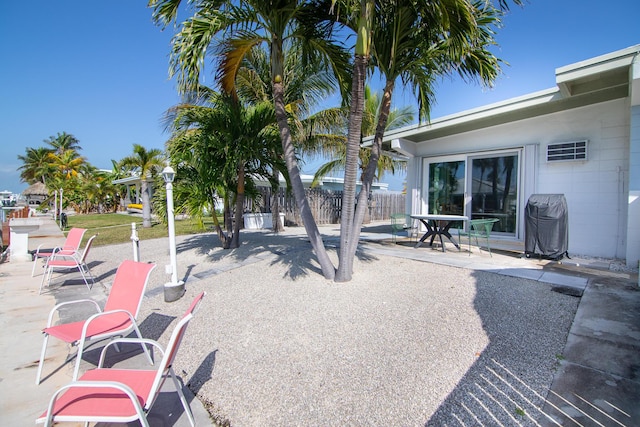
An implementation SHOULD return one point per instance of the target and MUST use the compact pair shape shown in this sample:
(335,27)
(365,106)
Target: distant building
(133,186)
(36,194)
(326,183)
(7,198)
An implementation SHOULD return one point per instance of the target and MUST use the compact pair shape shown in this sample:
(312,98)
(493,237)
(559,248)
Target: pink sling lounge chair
(117,318)
(120,395)
(70,247)
(70,262)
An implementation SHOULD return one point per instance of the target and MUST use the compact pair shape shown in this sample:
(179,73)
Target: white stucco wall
(633,208)
(596,189)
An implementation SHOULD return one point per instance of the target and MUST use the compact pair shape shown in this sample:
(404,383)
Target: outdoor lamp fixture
(175,289)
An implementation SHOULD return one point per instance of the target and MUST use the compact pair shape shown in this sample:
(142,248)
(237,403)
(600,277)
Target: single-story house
(580,139)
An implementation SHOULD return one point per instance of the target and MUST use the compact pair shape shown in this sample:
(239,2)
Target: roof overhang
(130,180)
(596,80)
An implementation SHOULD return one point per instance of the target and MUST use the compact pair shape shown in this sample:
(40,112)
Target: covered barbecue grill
(546,226)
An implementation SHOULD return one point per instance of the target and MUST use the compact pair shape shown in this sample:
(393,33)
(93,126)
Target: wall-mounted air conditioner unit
(567,151)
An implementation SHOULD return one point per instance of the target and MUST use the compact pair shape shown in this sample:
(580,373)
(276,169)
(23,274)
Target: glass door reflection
(446,188)
(494,190)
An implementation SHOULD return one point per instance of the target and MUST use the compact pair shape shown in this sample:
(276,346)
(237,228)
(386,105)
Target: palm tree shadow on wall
(527,326)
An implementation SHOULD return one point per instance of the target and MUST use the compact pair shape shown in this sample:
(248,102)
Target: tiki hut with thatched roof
(36,193)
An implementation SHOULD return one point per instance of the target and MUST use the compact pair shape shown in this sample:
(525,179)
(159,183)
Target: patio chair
(120,395)
(70,247)
(117,318)
(70,262)
(479,228)
(401,222)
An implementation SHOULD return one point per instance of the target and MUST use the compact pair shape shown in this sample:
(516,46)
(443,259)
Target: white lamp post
(173,290)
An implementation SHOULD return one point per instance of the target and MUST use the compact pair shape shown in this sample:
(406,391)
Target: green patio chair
(478,228)
(402,222)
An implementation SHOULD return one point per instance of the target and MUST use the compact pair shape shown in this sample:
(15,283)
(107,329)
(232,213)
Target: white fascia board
(618,59)
(594,68)
(591,68)
(521,102)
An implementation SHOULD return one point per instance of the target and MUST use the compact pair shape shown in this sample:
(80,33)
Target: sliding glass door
(478,186)
(445,183)
(494,190)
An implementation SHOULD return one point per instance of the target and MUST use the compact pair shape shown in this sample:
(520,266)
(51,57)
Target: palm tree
(62,142)
(311,133)
(414,42)
(59,166)
(243,25)
(145,163)
(67,163)
(219,147)
(36,165)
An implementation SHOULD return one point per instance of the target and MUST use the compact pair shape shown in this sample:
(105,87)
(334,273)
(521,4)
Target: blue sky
(98,70)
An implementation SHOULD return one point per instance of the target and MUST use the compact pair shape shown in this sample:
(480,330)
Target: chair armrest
(57,248)
(100,314)
(63,253)
(103,353)
(57,307)
(64,257)
(94,384)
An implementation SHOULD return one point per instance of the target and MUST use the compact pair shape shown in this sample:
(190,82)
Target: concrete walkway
(597,383)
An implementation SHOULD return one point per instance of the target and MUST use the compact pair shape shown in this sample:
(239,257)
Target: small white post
(136,242)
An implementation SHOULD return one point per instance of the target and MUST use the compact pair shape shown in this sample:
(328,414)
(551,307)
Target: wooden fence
(326,205)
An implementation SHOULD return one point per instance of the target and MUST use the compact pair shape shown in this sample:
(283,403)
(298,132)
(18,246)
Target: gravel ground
(404,343)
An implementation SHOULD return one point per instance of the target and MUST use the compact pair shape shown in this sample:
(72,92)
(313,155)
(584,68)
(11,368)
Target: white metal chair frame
(67,262)
(110,321)
(109,383)
(65,249)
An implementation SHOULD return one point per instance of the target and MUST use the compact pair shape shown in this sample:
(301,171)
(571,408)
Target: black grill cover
(546,226)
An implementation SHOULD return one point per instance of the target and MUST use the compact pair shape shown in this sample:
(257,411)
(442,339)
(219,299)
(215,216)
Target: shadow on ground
(293,251)
(508,383)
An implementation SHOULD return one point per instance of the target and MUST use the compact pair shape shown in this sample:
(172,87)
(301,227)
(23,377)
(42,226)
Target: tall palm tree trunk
(235,236)
(146,206)
(349,238)
(349,234)
(328,270)
(370,170)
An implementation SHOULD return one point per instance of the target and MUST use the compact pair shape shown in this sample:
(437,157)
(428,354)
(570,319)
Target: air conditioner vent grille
(567,151)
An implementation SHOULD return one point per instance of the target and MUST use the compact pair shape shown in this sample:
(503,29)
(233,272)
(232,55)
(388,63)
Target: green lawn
(116,228)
